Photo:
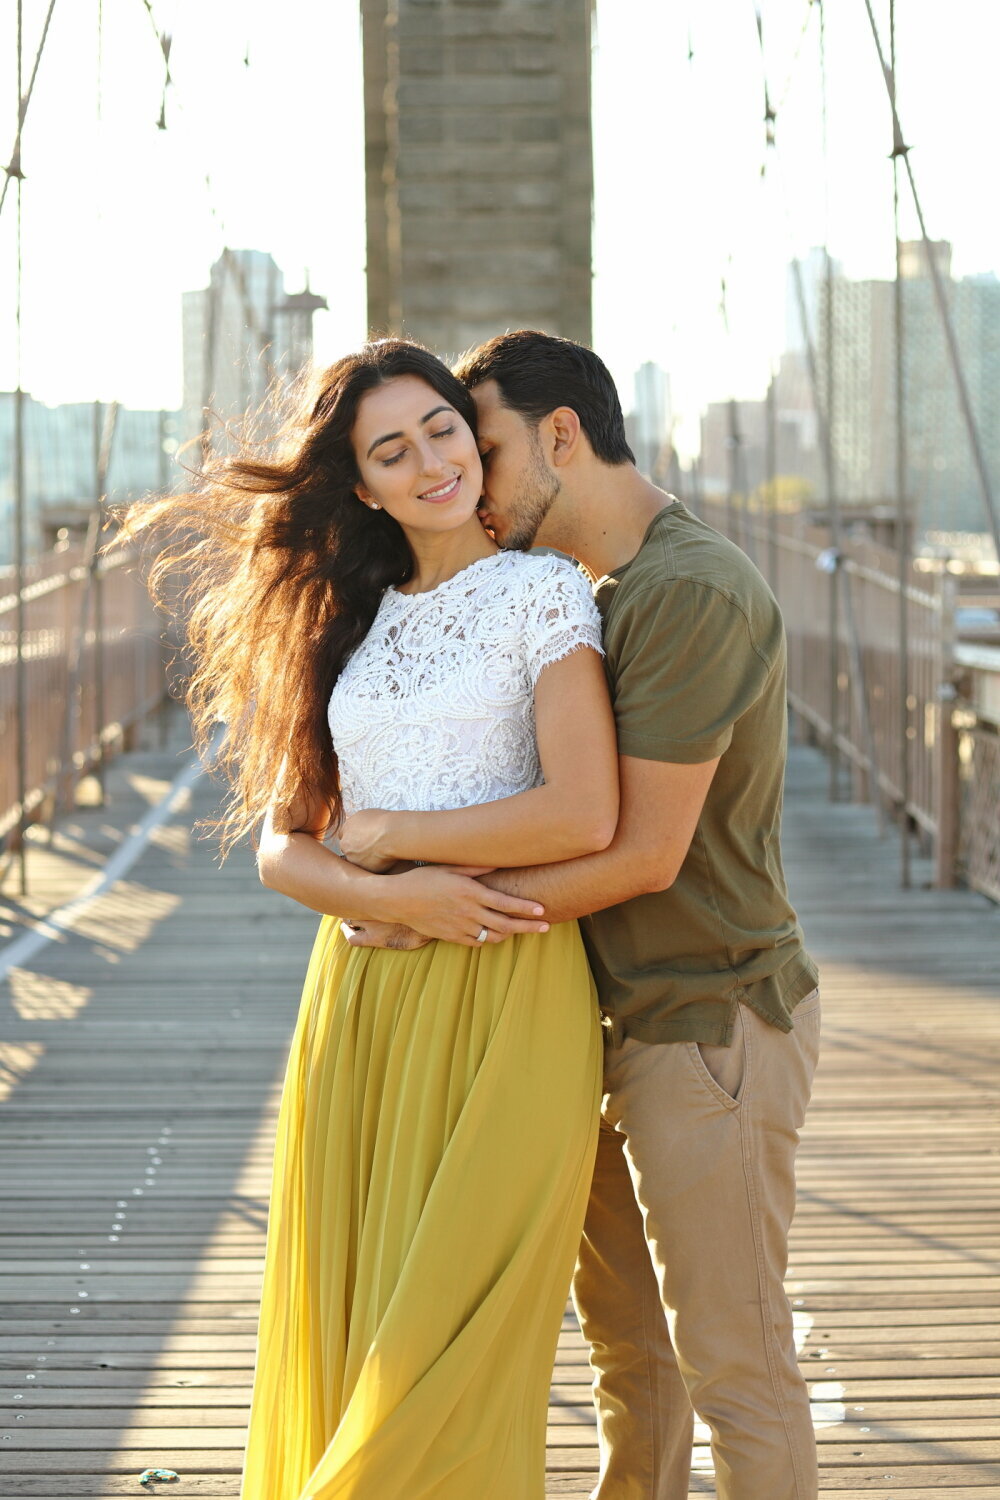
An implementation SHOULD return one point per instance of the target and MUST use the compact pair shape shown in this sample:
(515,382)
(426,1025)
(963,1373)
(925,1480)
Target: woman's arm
(574,813)
(438,903)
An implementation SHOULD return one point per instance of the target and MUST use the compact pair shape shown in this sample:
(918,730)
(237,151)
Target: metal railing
(81,664)
(977,730)
(847,687)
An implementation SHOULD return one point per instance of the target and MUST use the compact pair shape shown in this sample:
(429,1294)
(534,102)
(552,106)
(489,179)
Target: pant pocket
(723,1069)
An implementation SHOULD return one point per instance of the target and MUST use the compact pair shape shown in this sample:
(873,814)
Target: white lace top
(435,708)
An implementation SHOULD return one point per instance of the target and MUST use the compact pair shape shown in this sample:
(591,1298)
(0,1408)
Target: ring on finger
(484,933)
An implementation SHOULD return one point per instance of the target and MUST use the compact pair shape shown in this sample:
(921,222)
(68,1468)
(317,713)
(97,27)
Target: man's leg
(644,1416)
(711,1135)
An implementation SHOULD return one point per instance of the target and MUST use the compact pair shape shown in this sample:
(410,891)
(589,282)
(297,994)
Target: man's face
(519,488)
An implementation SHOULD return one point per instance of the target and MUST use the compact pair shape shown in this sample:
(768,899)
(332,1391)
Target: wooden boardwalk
(140,1056)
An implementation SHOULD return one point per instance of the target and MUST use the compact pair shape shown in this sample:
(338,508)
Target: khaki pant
(679,1285)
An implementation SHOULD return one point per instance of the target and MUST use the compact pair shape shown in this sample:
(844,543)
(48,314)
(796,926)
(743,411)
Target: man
(709,1000)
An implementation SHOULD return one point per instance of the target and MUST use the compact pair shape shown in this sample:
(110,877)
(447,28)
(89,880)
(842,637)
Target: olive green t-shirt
(696,660)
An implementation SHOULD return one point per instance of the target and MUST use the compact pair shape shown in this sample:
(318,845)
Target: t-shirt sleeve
(560,615)
(685,669)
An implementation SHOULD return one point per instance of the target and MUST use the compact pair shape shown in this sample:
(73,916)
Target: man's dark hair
(536,372)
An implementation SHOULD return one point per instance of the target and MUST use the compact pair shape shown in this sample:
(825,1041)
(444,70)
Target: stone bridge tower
(479,177)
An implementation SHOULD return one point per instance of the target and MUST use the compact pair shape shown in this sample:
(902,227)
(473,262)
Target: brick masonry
(479,178)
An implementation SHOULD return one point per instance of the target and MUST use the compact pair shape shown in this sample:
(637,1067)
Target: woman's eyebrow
(391,436)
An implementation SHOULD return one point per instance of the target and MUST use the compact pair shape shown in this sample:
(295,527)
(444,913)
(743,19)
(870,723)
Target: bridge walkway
(141,1049)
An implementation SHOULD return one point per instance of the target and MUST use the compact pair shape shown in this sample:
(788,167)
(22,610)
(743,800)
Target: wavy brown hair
(282,569)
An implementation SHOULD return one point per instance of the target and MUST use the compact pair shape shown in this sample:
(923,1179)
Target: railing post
(947,790)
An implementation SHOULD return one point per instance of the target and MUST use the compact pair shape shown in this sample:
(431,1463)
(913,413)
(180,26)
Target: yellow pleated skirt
(432,1165)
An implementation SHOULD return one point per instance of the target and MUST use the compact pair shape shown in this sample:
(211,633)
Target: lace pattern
(435,709)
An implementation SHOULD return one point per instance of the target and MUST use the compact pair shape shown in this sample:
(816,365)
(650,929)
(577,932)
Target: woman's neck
(438,556)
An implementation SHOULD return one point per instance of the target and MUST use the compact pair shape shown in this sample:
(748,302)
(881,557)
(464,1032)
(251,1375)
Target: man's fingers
(357,937)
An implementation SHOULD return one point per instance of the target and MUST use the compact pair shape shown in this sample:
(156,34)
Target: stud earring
(375,505)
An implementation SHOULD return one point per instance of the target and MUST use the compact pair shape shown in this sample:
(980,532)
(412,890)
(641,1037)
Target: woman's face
(417,456)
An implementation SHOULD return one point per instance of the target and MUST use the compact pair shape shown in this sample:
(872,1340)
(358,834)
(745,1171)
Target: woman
(433,699)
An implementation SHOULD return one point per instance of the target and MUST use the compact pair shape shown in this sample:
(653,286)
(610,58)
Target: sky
(118,218)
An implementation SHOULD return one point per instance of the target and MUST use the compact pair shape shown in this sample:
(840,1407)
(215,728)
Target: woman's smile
(443,492)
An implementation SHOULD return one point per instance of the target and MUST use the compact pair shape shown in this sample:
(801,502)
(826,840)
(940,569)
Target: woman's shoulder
(538,569)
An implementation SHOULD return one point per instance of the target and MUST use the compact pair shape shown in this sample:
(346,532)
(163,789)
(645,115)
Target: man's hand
(383,935)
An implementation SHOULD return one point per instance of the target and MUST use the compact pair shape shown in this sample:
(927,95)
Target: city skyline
(105,325)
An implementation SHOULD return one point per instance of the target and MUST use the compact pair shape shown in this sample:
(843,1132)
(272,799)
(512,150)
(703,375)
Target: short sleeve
(685,669)
(560,615)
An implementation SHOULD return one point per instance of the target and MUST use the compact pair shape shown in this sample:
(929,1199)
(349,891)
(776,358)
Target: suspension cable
(14,169)
(903,517)
(821,401)
(971,425)
(20,506)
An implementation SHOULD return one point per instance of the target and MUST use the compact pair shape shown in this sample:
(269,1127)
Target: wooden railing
(90,668)
(845,683)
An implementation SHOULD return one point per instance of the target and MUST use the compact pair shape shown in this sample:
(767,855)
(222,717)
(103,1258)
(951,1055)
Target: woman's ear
(366,497)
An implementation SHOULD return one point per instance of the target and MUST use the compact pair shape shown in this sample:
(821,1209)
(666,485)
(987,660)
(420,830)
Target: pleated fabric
(433,1160)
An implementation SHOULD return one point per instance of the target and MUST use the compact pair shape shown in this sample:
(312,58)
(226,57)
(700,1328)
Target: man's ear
(564,434)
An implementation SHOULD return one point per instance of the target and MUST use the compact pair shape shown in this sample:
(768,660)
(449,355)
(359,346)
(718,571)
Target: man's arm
(661,803)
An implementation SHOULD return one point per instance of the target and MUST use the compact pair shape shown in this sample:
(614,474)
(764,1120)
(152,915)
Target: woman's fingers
(511,906)
(441,903)
(495,922)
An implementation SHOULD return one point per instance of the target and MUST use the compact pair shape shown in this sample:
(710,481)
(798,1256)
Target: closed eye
(445,432)
(485,456)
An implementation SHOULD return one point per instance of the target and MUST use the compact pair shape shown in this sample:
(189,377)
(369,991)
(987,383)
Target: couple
(465,1093)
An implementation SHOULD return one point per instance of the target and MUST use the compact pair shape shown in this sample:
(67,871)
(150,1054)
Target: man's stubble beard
(537,490)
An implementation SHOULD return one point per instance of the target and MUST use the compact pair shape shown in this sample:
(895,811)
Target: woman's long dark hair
(283,569)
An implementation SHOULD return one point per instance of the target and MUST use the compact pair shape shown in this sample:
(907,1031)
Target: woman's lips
(439,495)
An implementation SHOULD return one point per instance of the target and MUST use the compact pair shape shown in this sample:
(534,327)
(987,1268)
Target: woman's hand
(447,902)
(363,838)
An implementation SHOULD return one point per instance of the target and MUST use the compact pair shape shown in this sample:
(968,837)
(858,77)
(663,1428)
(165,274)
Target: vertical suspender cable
(771,463)
(208,367)
(20,684)
(955,358)
(855,653)
(393,214)
(833,508)
(100,59)
(903,519)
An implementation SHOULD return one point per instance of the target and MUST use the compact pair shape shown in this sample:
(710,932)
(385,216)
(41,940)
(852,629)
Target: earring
(375,505)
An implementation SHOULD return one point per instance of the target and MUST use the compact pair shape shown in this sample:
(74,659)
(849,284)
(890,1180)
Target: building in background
(943,487)
(813,270)
(852,326)
(734,443)
(60,465)
(479,178)
(241,333)
(650,422)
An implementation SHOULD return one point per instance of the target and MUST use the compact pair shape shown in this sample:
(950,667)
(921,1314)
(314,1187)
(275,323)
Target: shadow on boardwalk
(139,1064)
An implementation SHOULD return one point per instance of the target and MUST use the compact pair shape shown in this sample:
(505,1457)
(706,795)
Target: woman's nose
(431,461)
